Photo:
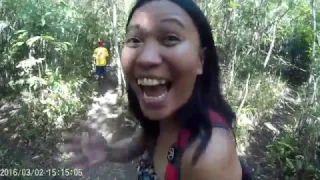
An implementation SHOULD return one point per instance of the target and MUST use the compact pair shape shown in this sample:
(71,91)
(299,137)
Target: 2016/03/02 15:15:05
(31,172)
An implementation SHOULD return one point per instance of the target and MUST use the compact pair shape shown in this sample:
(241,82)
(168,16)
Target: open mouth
(154,89)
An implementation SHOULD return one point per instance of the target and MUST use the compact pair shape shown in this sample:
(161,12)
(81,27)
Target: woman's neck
(169,126)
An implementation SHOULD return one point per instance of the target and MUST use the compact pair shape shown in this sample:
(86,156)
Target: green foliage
(288,152)
(272,42)
(46,60)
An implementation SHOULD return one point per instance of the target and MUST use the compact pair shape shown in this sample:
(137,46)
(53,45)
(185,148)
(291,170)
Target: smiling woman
(161,58)
(172,68)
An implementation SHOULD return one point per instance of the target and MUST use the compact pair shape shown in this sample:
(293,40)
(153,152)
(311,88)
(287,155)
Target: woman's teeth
(151,82)
(153,89)
(154,97)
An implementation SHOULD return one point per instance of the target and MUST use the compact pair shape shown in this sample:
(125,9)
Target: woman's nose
(149,56)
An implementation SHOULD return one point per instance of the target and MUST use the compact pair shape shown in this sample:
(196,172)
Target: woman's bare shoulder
(218,161)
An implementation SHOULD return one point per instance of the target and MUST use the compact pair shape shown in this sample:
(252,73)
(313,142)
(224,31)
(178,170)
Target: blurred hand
(89,151)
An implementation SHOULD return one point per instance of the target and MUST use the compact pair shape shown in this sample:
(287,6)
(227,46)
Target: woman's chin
(155,115)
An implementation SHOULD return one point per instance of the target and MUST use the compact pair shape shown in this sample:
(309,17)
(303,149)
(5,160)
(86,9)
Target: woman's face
(161,58)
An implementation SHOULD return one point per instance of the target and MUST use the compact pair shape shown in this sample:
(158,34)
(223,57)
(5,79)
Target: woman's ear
(200,63)
(202,54)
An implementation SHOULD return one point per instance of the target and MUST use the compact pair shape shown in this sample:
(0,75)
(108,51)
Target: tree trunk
(314,23)
(121,81)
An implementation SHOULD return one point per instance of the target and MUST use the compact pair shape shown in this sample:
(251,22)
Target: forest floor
(112,121)
(259,137)
(104,114)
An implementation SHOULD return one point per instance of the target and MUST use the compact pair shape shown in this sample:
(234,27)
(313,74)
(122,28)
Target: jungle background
(270,58)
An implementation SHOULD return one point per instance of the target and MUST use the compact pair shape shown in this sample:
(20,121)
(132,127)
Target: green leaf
(289,162)
(23,35)
(286,145)
(20,31)
(32,40)
(67,43)
(233,4)
(62,4)
(48,38)
(18,44)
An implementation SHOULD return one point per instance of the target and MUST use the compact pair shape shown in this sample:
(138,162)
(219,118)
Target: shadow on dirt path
(111,120)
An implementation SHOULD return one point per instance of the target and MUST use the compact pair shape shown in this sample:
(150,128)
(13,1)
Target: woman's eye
(133,42)
(171,40)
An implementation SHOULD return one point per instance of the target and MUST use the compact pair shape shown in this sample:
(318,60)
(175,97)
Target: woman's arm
(127,149)
(93,149)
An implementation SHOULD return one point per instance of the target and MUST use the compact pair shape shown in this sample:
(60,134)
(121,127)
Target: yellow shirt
(101,54)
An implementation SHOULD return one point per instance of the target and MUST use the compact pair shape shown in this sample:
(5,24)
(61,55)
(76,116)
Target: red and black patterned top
(145,166)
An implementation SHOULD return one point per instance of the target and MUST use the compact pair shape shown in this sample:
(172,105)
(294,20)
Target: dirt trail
(262,135)
(106,116)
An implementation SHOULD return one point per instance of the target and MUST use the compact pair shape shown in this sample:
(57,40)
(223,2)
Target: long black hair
(206,96)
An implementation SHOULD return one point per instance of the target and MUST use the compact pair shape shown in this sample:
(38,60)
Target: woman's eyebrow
(132,27)
(137,27)
(174,20)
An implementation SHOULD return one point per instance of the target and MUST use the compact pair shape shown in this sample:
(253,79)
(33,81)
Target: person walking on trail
(101,56)
(172,67)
